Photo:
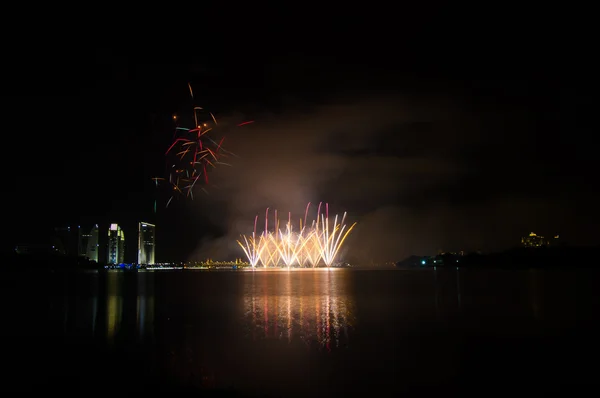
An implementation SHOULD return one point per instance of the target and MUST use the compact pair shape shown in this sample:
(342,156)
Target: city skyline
(100,242)
(66,243)
(441,144)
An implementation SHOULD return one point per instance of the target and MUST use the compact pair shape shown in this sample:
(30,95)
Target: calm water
(301,332)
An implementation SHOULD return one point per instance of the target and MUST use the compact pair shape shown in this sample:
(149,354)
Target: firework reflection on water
(299,307)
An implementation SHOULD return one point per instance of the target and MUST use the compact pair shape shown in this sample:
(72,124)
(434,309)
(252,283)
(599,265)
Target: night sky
(433,133)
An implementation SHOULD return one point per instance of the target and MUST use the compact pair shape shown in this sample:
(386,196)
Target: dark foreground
(308,333)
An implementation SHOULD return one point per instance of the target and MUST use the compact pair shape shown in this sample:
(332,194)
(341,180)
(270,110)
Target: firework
(193,152)
(308,246)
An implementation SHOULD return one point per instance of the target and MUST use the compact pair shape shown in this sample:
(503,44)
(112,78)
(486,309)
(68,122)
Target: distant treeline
(543,257)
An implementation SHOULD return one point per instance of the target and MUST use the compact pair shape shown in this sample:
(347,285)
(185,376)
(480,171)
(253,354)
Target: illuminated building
(88,241)
(146,243)
(116,245)
(533,240)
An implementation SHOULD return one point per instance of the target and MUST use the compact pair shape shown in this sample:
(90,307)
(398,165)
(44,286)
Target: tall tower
(146,243)
(88,241)
(116,245)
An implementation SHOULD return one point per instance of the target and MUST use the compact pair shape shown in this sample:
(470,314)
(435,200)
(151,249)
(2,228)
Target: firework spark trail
(193,152)
(319,243)
(290,242)
(252,248)
(332,239)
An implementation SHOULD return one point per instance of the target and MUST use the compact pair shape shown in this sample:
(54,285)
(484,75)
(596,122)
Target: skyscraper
(116,245)
(88,241)
(146,243)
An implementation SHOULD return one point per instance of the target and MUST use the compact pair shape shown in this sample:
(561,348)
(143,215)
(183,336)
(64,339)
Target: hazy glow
(311,246)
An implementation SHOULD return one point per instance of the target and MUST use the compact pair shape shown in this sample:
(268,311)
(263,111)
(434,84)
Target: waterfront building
(116,245)
(146,243)
(88,244)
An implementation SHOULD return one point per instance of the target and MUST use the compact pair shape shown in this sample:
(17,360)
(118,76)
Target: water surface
(301,332)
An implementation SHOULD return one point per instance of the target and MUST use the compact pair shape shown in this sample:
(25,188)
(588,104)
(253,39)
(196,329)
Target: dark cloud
(406,170)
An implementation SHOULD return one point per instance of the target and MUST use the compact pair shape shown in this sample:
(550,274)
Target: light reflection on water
(282,331)
(314,309)
(125,303)
(114,304)
(145,306)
